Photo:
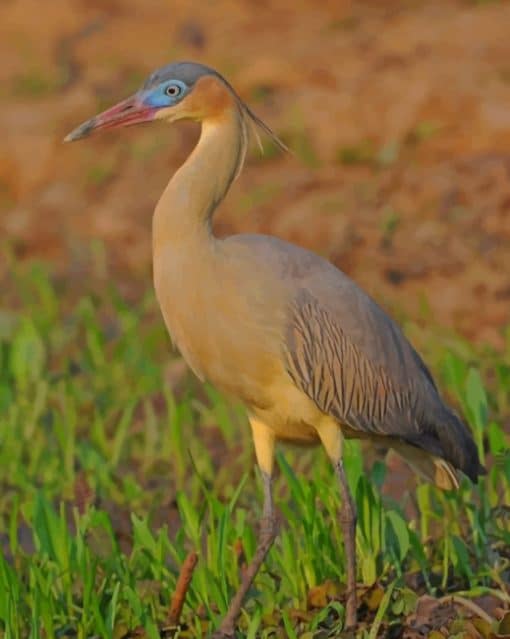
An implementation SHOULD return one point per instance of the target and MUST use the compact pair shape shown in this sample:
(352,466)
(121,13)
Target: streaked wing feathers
(354,385)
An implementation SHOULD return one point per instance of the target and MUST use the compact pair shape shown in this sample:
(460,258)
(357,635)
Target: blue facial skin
(162,95)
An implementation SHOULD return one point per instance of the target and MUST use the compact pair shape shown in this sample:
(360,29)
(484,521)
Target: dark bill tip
(81,131)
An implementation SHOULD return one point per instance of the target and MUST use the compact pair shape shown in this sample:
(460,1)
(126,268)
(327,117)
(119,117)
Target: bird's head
(182,90)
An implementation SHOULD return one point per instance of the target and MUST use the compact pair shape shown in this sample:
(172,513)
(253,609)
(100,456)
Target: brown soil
(399,113)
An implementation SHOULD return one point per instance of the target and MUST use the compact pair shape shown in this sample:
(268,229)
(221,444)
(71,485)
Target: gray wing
(350,358)
(357,366)
(353,361)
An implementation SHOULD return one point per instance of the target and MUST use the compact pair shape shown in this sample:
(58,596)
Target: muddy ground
(398,113)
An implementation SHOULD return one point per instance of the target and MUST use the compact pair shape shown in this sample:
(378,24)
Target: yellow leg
(264,440)
(332,440)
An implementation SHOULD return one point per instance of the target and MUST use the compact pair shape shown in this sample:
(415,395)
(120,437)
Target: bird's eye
(173,90)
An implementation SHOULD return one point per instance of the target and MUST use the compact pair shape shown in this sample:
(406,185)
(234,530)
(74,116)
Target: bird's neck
(183,214)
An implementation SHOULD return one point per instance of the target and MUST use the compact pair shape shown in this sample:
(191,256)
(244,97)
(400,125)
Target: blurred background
(398,113)
(114,461)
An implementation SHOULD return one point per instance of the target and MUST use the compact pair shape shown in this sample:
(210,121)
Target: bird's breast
(218,325)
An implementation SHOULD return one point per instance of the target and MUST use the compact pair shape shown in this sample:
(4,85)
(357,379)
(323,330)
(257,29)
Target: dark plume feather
(263,126)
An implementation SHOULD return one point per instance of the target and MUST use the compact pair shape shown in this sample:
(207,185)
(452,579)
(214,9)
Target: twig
(484,590)
(181,588)
(470,605)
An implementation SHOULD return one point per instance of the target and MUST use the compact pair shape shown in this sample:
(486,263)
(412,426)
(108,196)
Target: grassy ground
(115,465)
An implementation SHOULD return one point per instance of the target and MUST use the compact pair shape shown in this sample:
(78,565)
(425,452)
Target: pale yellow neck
(183,214)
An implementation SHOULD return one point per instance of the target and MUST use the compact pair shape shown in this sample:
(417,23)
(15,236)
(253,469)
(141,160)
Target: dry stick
(470,605)
(181,588)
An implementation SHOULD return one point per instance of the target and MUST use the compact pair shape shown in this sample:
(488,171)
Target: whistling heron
(312,357)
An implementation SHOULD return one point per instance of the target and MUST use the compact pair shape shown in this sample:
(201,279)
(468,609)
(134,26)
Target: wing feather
(346,382)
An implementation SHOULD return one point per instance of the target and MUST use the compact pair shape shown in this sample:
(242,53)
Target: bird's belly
(290,414)
(295,432)
(261,383)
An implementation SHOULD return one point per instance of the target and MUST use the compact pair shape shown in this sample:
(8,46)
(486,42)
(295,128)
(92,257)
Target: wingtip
(474,476)
(481,470)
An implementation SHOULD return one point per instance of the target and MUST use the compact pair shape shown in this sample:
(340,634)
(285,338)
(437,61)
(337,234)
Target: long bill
(130,111)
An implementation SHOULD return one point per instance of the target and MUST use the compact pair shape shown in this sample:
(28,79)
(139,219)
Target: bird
(313,358)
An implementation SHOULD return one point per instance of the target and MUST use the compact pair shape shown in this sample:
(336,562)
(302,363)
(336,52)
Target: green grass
(108,479)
